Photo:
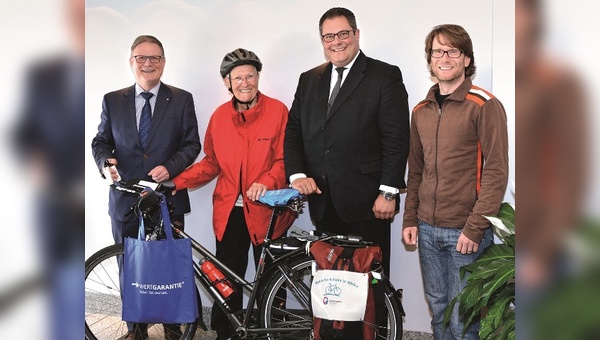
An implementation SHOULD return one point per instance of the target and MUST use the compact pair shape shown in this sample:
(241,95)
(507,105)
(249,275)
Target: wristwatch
(389,196)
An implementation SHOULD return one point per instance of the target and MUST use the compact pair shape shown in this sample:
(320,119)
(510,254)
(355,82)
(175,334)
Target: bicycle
(280,290)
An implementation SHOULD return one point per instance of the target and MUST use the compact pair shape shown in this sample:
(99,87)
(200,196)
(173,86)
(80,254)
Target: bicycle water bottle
(216,277)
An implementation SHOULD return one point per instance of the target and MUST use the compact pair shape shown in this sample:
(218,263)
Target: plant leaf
(448,310)
(507,211)
(501,229)
(496,251)
(501,278)
(504,222)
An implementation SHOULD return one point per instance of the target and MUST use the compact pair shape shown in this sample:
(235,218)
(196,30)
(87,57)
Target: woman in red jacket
(244,150)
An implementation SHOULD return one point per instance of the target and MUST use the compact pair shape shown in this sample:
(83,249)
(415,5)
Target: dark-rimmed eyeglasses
(329,37)
(142,58)
(453,53)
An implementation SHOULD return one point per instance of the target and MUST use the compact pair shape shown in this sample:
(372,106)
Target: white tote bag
(339,295)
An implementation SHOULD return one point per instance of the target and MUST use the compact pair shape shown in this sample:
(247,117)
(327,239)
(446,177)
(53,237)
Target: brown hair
(455,36)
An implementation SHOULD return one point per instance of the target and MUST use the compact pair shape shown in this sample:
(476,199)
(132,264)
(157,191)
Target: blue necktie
(145,119)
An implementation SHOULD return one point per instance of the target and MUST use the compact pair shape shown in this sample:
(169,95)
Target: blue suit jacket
(173,142)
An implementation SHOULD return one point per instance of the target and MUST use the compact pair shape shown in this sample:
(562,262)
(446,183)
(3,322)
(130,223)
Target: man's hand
(465,246)
(256,190)
(114,174)
(409,235)
(112,161)
(383,208)
(306,186)
(159,174)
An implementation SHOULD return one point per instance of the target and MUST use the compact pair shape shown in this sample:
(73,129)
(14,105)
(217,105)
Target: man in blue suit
(171,142)
(347,137)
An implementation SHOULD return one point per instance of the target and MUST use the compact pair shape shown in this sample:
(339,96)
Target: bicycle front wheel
(103,305)
(286,305)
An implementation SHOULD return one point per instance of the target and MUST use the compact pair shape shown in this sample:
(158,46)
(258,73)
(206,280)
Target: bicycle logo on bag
(333,289)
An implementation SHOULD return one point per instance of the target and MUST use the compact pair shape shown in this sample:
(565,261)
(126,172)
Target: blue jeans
(440,267)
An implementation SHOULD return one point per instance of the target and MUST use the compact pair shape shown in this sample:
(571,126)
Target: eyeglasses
(142,58)
(330,37)
(453,53)
(249,78)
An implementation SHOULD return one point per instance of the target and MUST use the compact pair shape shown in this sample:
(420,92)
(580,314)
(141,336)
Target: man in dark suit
(348,143)
(172,142)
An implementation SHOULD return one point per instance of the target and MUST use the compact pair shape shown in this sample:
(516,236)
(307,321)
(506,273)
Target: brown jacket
(458,161)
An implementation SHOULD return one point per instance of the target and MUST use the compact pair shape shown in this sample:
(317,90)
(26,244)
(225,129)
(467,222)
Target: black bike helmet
(239,57)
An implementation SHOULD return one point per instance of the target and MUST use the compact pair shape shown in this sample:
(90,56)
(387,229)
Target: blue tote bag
(158,278)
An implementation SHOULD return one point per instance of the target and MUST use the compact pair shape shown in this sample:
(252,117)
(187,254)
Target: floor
(408,335)
(210,335)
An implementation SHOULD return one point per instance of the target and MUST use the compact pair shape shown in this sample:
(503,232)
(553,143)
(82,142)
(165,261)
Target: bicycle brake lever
(302,234)
(166,187)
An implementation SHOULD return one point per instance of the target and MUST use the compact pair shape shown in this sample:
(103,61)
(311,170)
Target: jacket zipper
(437,139)
(244,203)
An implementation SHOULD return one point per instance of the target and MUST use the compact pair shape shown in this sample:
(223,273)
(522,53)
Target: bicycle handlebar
(137,186)
(287,198)
(280,198)
(273,198)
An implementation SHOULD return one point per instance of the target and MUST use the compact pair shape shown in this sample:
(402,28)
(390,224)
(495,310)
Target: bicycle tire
(277,313)
(103,304)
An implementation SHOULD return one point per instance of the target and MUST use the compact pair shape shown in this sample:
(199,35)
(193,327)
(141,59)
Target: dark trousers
(120,230)
(373,230)
(232,251)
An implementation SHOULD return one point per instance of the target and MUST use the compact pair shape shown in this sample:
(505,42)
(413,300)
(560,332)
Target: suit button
(327,152)
(324,177)
(145,156)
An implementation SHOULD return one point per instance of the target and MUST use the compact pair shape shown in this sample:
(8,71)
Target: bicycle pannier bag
(359,261)
(339,295)
(158,278)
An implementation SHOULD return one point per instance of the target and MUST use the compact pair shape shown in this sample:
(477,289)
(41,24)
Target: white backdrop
(284,34)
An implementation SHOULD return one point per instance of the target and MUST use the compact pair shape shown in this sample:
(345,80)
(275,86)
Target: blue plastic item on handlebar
(280,197)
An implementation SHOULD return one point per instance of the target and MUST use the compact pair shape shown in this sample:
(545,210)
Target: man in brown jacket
(458,171)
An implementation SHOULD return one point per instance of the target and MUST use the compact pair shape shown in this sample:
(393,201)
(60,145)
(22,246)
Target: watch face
(388,196)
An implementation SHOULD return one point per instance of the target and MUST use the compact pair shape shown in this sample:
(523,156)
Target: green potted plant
(490,291)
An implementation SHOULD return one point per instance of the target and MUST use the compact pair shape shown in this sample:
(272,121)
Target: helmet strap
(236,101)
(247,103)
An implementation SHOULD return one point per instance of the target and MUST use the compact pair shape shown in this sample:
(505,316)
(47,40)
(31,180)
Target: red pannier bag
(361,259)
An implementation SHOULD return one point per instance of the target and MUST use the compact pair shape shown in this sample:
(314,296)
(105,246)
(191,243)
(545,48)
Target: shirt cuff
(387,188)
(296,176)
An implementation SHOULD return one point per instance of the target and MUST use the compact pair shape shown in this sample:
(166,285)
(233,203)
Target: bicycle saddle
(280,197)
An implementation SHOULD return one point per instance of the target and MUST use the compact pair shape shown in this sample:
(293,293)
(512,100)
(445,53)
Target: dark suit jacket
(52,125)
(362,143)
(173,142)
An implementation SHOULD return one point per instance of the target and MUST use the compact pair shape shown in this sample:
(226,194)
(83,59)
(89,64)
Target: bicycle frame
(251,287)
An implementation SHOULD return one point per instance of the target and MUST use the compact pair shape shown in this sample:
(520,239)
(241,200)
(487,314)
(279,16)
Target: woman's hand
(256,190)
